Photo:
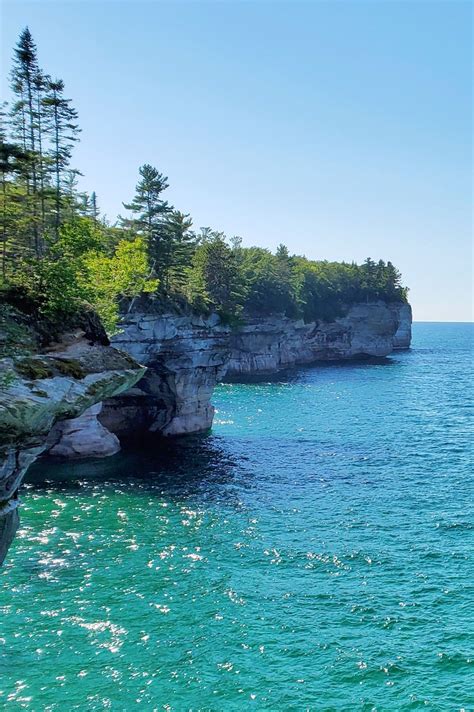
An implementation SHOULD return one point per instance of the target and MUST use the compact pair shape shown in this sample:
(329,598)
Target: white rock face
(402,338)
(266,345)
(84,436)
(186,355)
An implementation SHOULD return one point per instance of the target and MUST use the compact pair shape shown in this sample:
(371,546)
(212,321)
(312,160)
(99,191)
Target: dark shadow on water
(194,465)
(204,465)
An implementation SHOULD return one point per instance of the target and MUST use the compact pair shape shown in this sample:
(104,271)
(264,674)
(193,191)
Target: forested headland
(60,253)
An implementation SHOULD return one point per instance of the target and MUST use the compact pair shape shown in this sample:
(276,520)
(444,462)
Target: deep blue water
(315,552)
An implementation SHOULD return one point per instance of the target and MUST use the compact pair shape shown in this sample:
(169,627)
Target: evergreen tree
(40,84)
(368,278)
(235,243)
(24,115)
(282,252)
(94,207)
(84,204)
(62,124)
(215,280)
(207,234)
(92,261)
(72,200)
(151,211)
(181,243)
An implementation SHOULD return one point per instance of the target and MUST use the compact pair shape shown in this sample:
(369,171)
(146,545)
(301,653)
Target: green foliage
(124,274)
(270,285)
(77,270)
(149,211)
(214,280)
(180,244)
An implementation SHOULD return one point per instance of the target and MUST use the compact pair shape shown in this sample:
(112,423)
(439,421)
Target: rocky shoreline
(40,388)
(81,396)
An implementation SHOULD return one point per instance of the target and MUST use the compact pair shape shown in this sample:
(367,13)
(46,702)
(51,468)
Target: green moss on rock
(69,367)
(34,368)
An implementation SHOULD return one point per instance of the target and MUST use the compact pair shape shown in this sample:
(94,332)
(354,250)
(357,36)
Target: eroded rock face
(38,391)
(84,436)
(402,338)
(186,355)
(266,345)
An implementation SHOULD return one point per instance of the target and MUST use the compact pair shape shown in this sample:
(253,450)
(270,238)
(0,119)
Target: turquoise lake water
(315,552)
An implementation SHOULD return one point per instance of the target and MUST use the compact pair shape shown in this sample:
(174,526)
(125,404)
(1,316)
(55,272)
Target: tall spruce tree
(62,124)
(94,206)
(215,280)
(181,244)
(24,118)
(40,83)
(150,212)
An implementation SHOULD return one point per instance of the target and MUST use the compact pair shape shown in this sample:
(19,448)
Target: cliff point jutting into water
(74,394)
(187,309)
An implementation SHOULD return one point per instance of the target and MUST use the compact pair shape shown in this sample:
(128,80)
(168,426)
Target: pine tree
(215,280)
(93,205)
(150,212)
(62,123)
(181,244)
(236,243)
(393,282)
(282,252)
(25,120)
(369,277)
(71,199)
(40,83)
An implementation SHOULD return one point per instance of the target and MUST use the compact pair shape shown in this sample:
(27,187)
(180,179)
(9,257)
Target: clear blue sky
(342,129)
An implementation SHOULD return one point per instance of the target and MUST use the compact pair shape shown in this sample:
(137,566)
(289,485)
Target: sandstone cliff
(402,339)
(186,355)
(266,345)
(40,389)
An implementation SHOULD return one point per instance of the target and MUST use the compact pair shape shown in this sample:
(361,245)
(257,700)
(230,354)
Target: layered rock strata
(84,436)
(52,401)
(186,355)
(266,345)
(402,338)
